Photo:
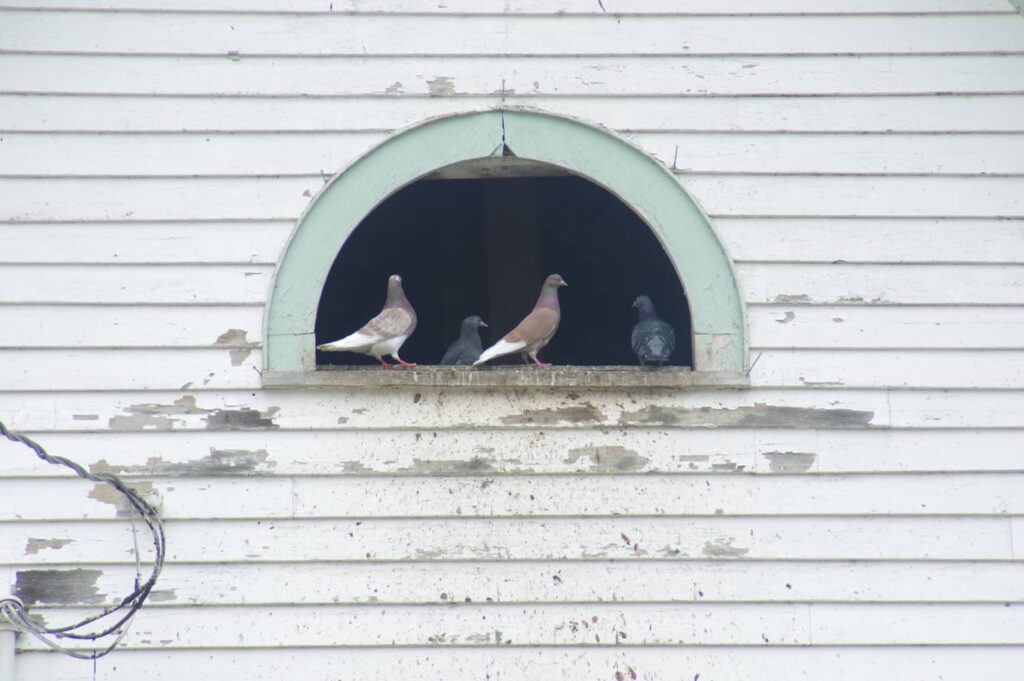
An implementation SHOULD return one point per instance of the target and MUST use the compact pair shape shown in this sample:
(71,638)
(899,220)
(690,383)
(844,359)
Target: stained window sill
(560,377)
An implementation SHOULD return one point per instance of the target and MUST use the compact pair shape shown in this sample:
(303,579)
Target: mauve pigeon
(385,333)
(536,329)
(467,347)
(653,340)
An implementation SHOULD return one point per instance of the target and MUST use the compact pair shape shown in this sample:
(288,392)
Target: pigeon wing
(392,322)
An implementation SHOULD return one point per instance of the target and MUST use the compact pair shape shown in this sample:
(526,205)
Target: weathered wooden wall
(858,513)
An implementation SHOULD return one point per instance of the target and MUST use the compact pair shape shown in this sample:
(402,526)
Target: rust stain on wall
(756,415)
(609,459)
(583,413)
(63,587)
(790,462)
(36,544)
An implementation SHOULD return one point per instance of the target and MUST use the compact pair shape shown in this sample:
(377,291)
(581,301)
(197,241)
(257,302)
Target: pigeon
(467,347)
(536,329)
(653,340)
(385,333)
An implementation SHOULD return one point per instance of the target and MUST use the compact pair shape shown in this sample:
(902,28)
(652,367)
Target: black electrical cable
(14,610)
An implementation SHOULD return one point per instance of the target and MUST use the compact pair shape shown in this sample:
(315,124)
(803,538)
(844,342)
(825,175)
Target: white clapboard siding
(124,113)
(552,582)
(836,153)
(112,326)
(748,663)
(848,240)
(529,410)
(627,625)
(662,450)
(131,368)
(139,154)
(443,409)
(888,239)
(556,7)
(121,242)
(878,284)
(878,327)
(342,34)
(890,368)
(444,76)
(285,198)
(831,195)
(523,496)
(704,538)
(760,663)
(26,369)
(135,284)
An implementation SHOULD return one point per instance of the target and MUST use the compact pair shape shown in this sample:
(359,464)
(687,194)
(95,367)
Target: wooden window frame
(717,311)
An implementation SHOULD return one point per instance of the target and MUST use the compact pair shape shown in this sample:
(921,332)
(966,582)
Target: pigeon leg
(403,362)
(383,364)
(540,364)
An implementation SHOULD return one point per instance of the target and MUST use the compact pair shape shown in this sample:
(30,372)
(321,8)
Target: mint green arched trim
(704,268)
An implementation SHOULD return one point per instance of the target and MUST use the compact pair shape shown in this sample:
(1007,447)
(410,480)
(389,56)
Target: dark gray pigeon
(467,347)
(653,340)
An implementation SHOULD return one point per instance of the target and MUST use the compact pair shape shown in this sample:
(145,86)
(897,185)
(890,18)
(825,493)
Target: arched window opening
(466,242)
(474,210)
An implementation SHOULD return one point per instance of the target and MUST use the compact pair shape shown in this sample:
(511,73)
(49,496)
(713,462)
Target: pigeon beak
(564,283)
(483,324)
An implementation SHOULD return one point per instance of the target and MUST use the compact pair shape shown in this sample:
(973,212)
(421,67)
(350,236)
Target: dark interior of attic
(466,243)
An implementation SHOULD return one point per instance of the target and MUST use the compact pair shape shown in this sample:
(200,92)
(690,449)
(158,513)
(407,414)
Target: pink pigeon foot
(404,363)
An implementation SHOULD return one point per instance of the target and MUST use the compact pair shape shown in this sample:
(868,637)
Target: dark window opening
(483,246)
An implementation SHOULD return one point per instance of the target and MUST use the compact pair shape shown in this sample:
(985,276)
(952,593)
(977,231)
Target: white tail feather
(502,347)
(355,341)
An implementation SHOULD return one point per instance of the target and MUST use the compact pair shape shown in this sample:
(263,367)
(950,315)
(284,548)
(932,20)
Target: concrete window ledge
(562,377)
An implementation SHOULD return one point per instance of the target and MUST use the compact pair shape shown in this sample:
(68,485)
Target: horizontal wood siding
(856,513)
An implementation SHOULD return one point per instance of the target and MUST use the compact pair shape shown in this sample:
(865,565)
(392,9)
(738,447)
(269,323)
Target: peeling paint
(757,415)
(63,587)
(442,86)
(609,459)
(85,417)
(583,413)
(109,494)
(789,316)
(241,419)
(149,416)
(723,548)
(788,298)
(235,338)
(789,462)
(36,544)
(394,89)
(472,466)
(219,462)
(162,595)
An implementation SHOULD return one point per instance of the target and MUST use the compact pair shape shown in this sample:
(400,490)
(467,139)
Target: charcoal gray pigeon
(653,340)
(385,333)
(536,329)
(467,347)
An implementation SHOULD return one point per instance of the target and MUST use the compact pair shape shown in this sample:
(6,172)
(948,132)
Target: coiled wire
(115,620)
